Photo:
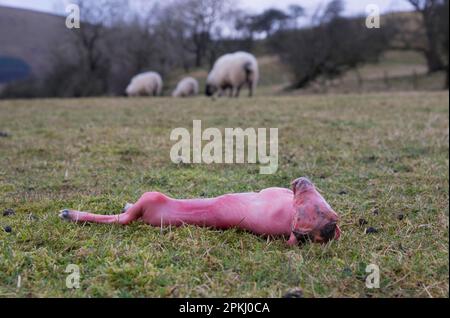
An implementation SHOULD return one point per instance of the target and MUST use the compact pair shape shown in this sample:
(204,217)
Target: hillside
(30,36)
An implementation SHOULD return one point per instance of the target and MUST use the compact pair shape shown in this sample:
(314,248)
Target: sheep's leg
(238,91)
(231,92)
(250,89)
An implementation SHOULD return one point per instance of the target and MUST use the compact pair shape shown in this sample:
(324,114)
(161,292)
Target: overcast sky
(352,6)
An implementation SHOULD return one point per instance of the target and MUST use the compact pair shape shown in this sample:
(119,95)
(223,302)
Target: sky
(353,7)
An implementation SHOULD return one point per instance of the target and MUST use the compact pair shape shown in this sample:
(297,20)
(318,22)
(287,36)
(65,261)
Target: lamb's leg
(132,213)
(127,207)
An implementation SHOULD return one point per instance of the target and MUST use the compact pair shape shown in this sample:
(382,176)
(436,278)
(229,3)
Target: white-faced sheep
(188,86)
(232,72)
(148,83)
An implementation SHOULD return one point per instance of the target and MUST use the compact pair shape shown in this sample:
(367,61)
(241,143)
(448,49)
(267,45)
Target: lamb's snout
(328,232)
(302,237)
(323,234)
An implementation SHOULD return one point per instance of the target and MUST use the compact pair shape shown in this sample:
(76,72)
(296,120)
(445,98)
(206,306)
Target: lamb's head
(314,219)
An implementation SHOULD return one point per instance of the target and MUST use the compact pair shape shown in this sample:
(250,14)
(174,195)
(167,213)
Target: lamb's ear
(294,185)
(301,184)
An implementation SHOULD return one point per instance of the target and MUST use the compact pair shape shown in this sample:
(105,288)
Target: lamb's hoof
(127,206)
(65,215)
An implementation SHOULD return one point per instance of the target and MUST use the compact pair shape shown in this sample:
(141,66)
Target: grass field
(375,157)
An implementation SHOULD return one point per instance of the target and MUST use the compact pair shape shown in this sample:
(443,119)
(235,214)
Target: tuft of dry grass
(373,156)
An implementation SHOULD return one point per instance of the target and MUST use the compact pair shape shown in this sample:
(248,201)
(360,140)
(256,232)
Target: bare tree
(333,45)
(200,18)
(81,67)
(270,21)
(296,12)
(444,35)
(430,13)
(82,63)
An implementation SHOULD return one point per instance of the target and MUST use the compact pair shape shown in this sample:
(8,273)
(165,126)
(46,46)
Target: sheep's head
(128,91)
(210,90)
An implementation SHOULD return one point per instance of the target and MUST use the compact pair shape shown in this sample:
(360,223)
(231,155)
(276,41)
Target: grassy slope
(389,152)
(396,71)
(31,36)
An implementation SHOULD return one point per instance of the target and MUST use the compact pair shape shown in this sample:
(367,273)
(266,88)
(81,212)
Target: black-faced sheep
(188,86)
(231,72)
(149,83)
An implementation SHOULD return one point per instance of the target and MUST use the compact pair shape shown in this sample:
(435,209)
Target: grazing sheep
(188,86)
(149,83)
(233,71)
